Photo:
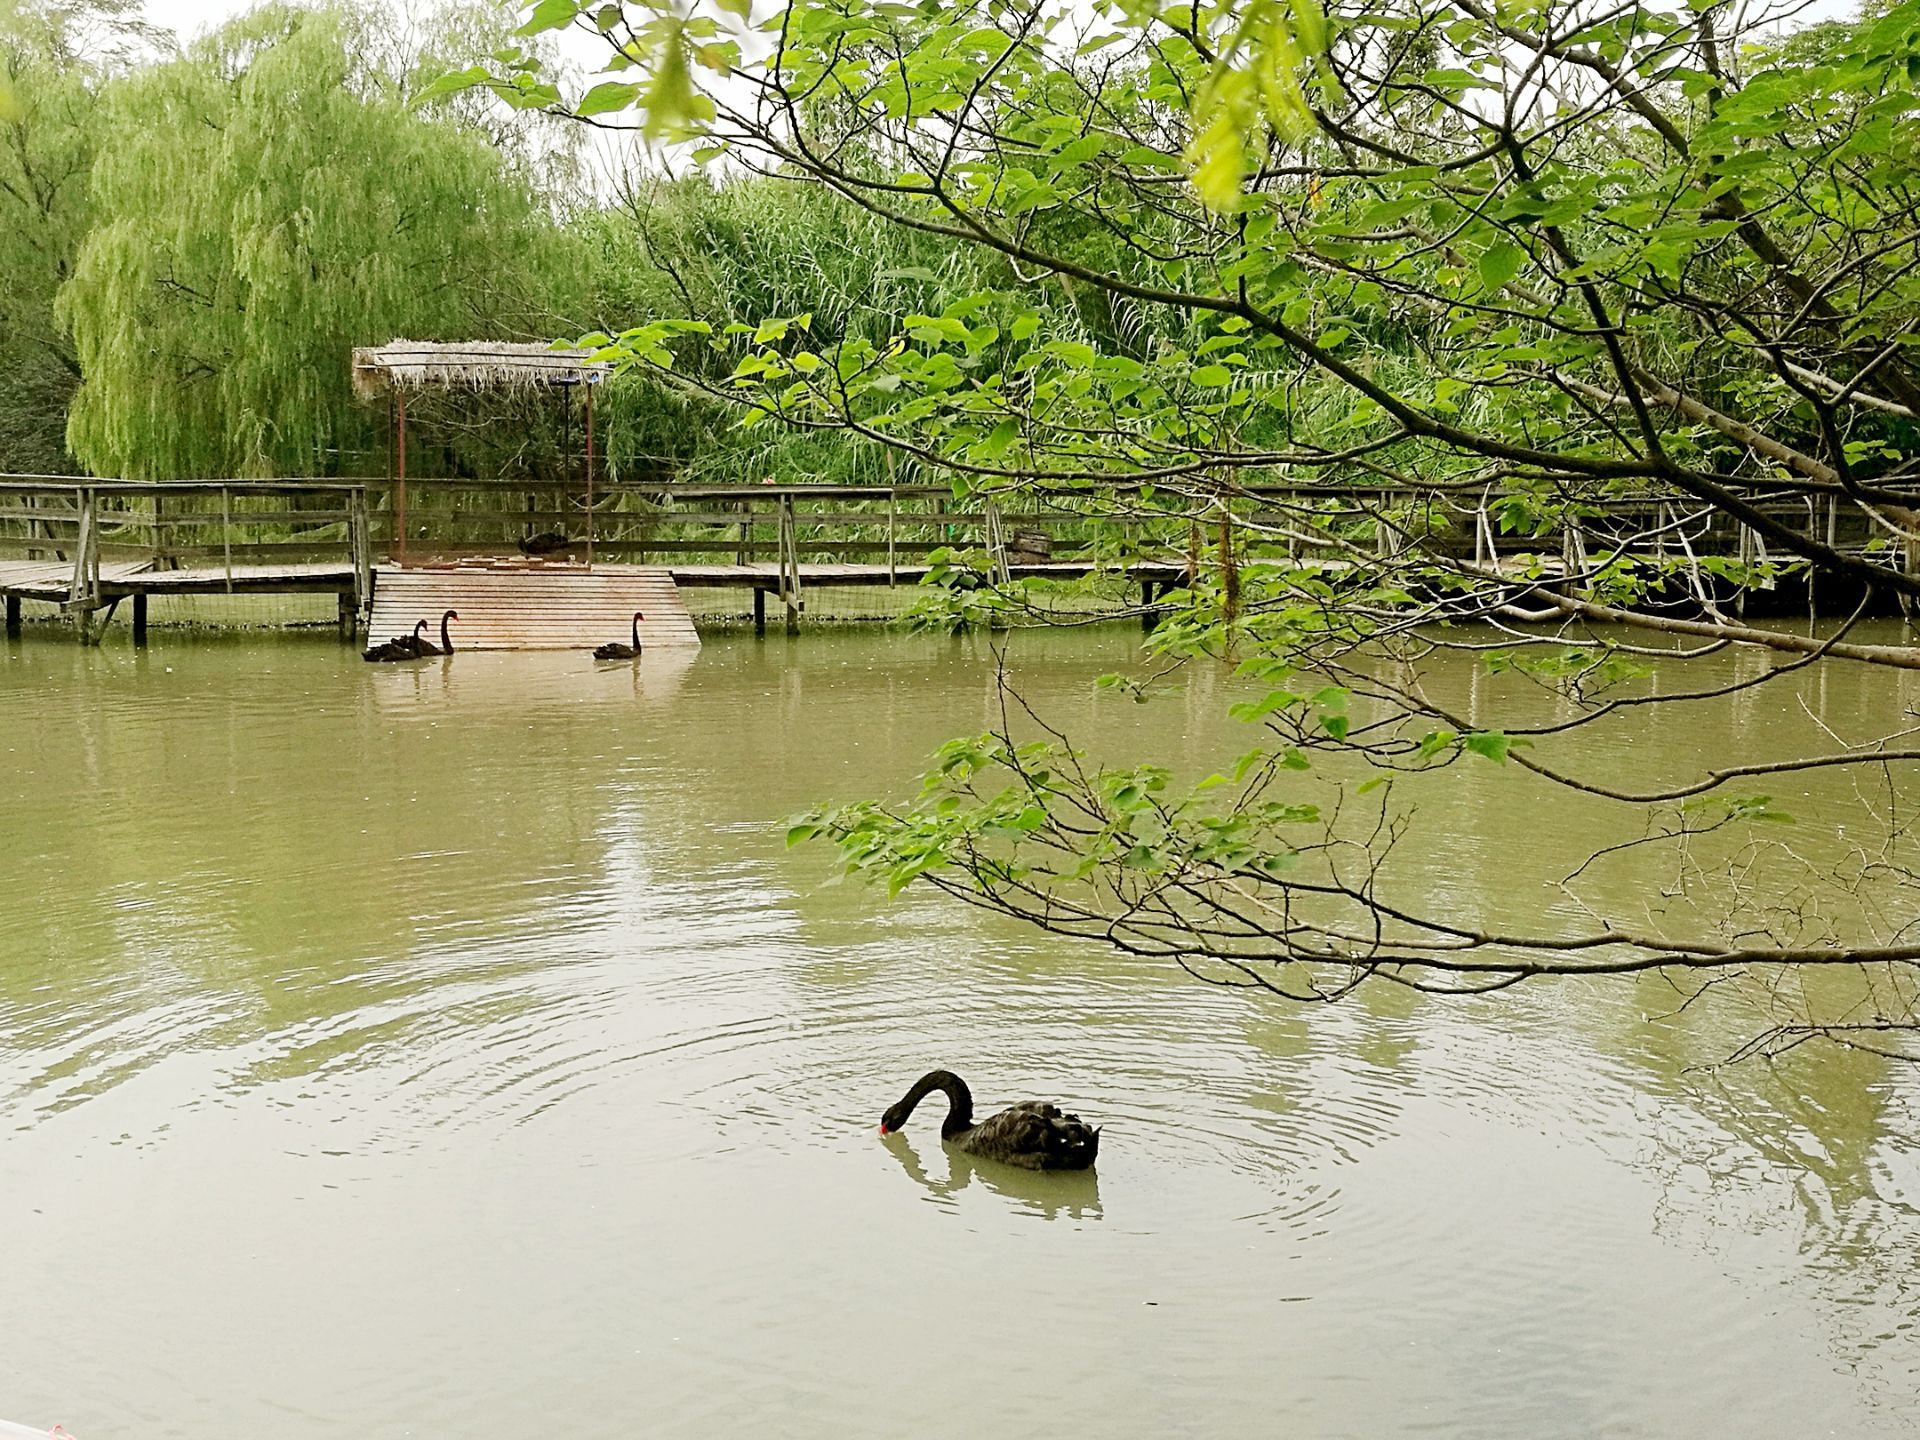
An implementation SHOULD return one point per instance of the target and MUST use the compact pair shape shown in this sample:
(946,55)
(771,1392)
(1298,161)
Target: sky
(189,17)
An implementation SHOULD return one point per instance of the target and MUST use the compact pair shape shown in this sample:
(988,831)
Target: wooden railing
(172,525)
(229,523)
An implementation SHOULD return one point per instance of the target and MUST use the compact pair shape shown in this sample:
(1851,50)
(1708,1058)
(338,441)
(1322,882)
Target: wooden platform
(52,580)
(542,607)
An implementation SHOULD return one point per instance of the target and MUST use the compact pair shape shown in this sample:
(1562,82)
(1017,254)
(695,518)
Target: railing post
(226,533)
(997,543)
(893,502)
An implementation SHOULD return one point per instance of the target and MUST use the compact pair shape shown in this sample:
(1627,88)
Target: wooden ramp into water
(532,607)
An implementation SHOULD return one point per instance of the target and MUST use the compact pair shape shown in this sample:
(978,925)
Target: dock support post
(759,609)
(13,617)
(349,615)
(140,617)
(1146,604)
(790,564)
(83,595)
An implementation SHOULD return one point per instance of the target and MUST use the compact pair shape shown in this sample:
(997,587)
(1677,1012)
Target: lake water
(456,1050)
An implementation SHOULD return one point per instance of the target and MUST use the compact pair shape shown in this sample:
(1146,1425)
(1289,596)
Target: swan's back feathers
(1036,1135)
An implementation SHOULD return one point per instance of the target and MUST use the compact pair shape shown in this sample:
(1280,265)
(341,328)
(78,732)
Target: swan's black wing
(1035,1135)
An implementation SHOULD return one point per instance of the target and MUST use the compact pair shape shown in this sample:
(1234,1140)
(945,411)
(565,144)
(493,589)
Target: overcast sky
(190,17)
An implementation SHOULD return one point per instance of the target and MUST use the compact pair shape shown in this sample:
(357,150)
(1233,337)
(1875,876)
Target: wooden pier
(86,546)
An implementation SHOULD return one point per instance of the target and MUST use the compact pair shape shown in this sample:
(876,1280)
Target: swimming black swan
(550,543)
(401,647)
(445,647)
(614,650)
(1032,1134)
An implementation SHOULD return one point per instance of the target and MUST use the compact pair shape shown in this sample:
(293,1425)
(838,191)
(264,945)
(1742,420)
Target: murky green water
(455,1050)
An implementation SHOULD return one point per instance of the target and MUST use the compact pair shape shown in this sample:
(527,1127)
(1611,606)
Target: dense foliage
(54,60)
(1614,277)
(269,203)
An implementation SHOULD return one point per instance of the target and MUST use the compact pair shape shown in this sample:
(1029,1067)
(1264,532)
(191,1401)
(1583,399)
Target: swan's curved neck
(446,640)
(636,630)
(959,1100)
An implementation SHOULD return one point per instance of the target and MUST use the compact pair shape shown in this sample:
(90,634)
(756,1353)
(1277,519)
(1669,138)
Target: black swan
(614,650)
(550,543)
(1033,1134)
(445,647)
(401,647)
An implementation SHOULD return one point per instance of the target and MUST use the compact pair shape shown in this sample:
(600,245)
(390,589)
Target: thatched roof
(470,365)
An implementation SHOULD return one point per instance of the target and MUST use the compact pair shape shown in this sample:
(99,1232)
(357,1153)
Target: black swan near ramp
(614,650)
(1032,1134)
(445,647)
(401,647)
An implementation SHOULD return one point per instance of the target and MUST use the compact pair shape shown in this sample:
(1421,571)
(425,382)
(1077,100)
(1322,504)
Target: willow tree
(1589,271)
(268,203)
(55,57)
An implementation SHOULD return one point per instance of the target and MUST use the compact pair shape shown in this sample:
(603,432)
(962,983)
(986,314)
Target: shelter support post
(589,409)
(13,616)
(759,609)
(398,497)
(140,617)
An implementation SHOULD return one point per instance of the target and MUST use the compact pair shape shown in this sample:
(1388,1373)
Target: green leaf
(606,97)
(549,15)
(451,83)
(1489,743)
(1500,262)
(672,104)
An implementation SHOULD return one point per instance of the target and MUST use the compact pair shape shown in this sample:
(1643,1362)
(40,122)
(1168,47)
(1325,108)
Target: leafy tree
(54,59)
(270,201)
(1601,276)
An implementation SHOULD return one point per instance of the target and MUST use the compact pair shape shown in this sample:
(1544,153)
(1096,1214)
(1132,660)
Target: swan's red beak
(885,1131)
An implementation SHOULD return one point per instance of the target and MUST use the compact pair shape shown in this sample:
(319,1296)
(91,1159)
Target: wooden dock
(504,604)
(509,606)
(84,546)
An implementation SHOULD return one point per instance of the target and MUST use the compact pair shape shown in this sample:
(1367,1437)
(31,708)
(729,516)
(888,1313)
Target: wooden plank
(532,607)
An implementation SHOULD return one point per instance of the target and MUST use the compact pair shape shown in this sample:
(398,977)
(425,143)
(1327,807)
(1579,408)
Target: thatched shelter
(470,365)
(400,367)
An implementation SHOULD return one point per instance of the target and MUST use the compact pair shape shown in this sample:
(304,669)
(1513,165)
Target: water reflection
(1050,1195)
